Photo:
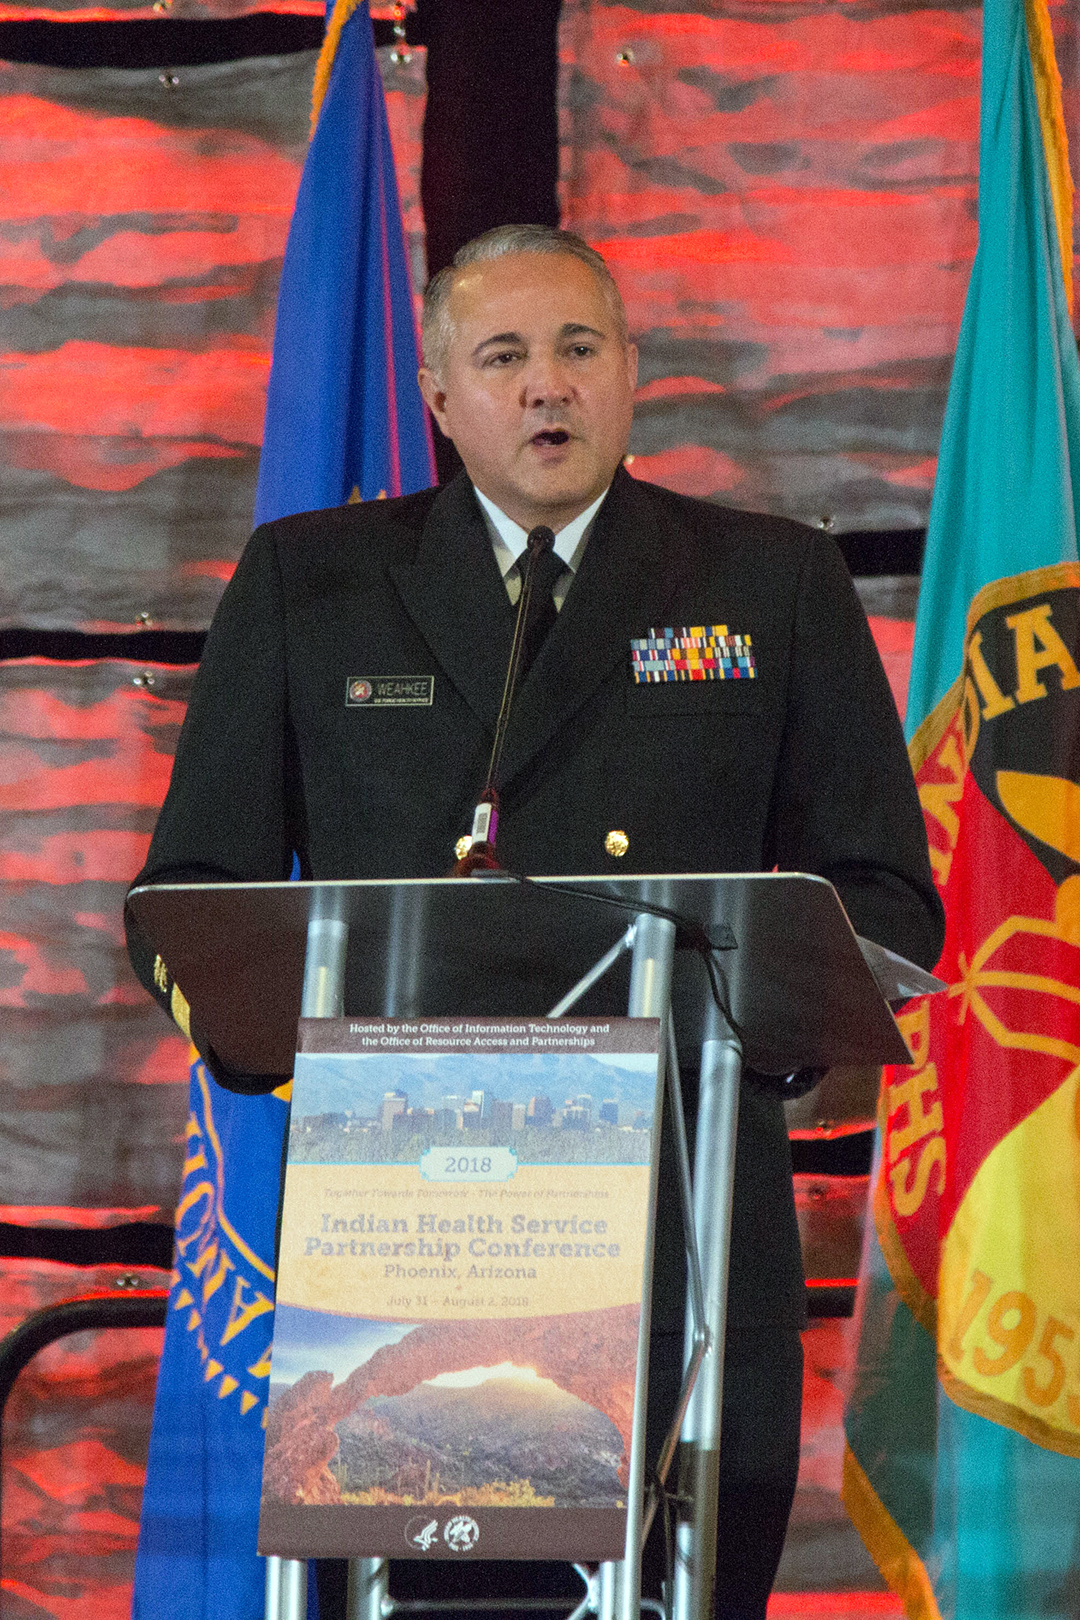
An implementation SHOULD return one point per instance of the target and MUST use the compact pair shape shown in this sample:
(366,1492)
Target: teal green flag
(1005,495)
(962,1465)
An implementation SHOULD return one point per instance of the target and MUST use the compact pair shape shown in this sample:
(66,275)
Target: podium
(759,970)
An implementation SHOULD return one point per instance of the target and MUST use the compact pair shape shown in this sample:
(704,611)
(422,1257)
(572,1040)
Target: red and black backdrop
(785,190)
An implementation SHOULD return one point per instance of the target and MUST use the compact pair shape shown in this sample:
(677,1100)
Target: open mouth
(553,436)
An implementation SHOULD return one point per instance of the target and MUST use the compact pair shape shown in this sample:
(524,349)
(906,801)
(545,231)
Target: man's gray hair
(437,326)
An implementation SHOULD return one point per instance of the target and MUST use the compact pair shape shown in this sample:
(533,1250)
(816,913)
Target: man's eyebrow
(499,337)
(579,329)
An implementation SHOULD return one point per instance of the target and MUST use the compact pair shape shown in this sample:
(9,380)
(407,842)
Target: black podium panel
(790,967)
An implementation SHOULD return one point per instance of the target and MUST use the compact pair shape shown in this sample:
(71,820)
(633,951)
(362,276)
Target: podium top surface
(797,983)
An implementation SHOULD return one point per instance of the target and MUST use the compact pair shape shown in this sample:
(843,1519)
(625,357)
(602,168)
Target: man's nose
(546,381)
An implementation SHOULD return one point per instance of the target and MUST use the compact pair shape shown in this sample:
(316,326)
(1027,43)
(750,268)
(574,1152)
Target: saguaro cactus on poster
(463,1250)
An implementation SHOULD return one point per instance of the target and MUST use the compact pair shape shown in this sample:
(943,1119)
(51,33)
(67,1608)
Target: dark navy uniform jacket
(802,767)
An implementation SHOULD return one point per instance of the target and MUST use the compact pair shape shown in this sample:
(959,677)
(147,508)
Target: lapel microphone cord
(481,853)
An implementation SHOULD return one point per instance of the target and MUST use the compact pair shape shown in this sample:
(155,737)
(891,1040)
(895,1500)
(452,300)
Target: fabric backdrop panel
(158,10)
(130,10)
(405,89)
(786,194)
(93,1077)
(76,1431)
(142,225)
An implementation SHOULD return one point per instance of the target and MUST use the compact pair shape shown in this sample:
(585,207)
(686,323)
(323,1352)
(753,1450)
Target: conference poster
(463,1246)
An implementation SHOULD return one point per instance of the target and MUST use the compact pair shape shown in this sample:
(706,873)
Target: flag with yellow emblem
(962,1469)
(344,416)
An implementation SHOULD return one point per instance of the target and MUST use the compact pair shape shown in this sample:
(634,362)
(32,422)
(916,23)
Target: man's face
(537,391)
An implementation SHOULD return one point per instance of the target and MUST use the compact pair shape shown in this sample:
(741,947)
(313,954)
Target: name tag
(389,691)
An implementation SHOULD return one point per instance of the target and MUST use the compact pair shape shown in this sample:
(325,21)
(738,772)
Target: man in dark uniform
(799,765)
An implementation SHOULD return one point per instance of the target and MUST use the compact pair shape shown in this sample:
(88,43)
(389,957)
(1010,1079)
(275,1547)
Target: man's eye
(581,351)
(503,357)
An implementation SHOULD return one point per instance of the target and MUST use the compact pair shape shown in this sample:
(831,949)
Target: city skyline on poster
(549,1108)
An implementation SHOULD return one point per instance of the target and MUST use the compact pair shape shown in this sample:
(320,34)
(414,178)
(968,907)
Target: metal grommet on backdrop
(616,843)
(401,56)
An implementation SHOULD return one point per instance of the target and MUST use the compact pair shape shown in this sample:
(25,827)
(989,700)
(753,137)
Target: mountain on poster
(329,1083)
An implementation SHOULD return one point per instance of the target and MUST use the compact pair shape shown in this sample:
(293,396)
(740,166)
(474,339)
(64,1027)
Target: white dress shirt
(508,542)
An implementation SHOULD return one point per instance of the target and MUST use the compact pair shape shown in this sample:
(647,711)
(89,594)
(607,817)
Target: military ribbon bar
(695,653)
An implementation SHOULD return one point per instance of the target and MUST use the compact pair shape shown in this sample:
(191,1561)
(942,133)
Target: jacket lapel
(455,595)
(632,567)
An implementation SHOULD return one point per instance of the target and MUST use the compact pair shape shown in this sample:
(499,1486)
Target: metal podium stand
(787,985)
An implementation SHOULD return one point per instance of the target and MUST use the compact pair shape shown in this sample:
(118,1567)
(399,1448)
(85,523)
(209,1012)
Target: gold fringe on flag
(900,1565)
(1055,141)
(343,10)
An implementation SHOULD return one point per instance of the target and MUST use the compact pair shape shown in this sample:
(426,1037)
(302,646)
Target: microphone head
(540,539)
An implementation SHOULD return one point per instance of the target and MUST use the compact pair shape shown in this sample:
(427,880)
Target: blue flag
(196,1557)
(344,416)
(962,1470)
(344,420)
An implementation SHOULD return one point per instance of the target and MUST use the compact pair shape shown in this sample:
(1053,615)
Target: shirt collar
(508,537)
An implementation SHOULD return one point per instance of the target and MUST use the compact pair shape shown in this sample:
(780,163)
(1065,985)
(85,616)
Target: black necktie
(542,614)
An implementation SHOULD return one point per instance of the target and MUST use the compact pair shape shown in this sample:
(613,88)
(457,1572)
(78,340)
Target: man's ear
(434,396)
(632,364)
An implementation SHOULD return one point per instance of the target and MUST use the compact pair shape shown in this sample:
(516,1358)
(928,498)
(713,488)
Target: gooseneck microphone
(480,856)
